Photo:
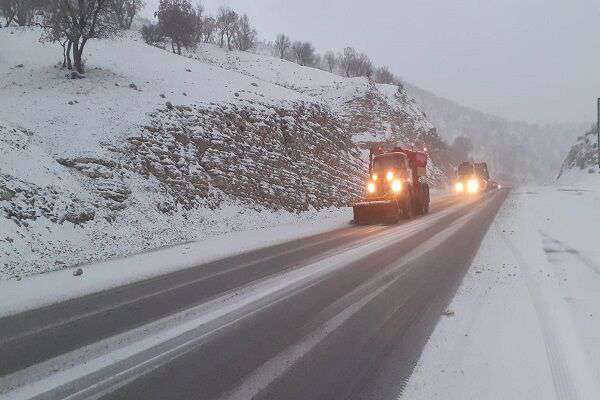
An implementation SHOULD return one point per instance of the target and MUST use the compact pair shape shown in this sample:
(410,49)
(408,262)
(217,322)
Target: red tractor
(396,187)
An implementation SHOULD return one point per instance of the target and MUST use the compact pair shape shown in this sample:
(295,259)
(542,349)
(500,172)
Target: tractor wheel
(409,209)
(420,207)
(426,208)
(395,214)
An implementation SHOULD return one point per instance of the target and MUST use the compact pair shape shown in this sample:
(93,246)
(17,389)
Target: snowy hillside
(541,149)
(152,148)
(582,158)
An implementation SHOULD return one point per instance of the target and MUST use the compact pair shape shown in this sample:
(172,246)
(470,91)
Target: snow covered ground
(526,322)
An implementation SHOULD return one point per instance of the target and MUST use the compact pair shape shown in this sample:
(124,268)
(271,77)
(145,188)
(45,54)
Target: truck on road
(396,187)
(472,178)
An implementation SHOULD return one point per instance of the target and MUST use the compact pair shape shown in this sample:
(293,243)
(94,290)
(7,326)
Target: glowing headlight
(396,186)
(459,187)
(374,177)
(390,175)
(371,187)
(472,185)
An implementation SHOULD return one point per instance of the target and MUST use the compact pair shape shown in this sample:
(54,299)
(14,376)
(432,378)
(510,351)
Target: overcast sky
(533,60)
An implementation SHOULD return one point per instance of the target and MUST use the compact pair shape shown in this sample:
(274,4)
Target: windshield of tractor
(465,169)
(386,162)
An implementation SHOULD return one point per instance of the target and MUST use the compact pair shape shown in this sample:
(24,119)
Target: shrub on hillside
(126,10)
(152,34)
(73,24)
(177,20)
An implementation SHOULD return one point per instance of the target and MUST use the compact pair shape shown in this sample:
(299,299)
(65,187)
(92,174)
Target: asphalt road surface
(332,316)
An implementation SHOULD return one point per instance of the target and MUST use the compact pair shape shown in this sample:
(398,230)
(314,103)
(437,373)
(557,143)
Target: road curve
(319,317)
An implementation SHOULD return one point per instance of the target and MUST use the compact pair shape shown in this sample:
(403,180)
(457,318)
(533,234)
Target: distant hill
(516,151)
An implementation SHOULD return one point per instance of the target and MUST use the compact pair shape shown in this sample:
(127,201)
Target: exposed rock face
(292,159)
(28,202)
(583,154)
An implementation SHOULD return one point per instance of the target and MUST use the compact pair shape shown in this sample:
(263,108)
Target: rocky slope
(583,155)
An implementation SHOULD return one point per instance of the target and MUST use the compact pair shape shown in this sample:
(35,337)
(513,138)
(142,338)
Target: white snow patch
(270,229)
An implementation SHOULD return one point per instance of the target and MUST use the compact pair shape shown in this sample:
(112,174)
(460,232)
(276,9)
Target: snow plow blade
(373,212)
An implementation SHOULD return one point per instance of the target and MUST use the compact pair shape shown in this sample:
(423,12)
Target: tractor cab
(387,170)
(394,188)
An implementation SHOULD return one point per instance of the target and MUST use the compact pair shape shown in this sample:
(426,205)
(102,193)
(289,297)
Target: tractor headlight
(472,185)
(390,175)
(371,187)
(396,186)
(459,187)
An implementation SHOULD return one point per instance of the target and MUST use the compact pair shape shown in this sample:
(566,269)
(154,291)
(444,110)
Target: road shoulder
(478,350)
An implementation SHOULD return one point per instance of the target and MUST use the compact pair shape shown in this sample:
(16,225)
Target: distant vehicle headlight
(371,187)
(459,187)
(472,185)
(374,177)
(396,186)
(389,176)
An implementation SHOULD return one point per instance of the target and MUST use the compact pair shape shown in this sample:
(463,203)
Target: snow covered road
(224,326)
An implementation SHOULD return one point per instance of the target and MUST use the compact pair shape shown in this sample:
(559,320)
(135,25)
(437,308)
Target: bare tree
(8,10)
(304,53)
(226,26)
(245,35)
(318,62)
(282,45)
(20,11)
(198,23)
(177,21)
(363,66)
(330,60)
(384,75)
(77,22)
(126,10)
(208,29)
(347,60)
(354,64)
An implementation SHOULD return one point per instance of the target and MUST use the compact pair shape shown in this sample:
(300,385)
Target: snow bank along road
(308,319)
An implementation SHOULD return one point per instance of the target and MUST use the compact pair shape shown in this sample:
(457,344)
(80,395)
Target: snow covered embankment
(526,322)
(164,149)
(582,158)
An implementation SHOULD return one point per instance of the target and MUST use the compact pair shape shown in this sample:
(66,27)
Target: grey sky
(533,60)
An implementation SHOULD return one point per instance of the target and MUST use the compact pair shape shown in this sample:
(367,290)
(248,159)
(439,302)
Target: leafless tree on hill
(347,60)
(282,45)
(226,26)
(330,60)
(384,75)
(245,35)
(22,12)
(304,53)
(208,29)
(363,66)
(355,64)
